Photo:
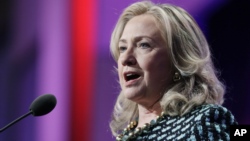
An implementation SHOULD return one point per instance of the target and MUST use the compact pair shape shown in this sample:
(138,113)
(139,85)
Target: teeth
(129,74)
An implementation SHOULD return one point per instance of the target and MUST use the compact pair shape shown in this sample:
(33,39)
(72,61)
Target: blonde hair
(190,56)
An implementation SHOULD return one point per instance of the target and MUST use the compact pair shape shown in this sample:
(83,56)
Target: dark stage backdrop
(62,47)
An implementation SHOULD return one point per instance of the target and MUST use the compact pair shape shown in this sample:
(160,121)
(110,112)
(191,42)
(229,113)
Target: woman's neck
(146,114)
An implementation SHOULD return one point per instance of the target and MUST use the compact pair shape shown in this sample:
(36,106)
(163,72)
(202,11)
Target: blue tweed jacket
(203,123)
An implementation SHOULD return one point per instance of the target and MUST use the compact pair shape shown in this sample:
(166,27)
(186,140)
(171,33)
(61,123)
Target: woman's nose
(128,58)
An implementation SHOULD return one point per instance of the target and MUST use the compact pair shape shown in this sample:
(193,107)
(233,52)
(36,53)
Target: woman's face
(143,64)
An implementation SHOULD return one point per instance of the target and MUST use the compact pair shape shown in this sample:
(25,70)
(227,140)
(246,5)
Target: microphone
(42,105)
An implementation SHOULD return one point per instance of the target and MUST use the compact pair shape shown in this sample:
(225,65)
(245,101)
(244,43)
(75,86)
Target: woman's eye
(122,49)
(144,45)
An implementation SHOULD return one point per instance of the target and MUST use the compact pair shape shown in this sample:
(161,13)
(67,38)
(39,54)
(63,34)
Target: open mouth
(131,76)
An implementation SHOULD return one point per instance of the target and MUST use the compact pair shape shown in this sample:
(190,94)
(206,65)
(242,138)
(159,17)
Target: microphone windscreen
(43,104)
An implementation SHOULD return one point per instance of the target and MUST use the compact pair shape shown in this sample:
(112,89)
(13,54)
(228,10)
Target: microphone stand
(13,122)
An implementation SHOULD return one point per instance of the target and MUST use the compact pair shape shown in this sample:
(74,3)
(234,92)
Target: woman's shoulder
(212,122)
(214,113)
(204,107)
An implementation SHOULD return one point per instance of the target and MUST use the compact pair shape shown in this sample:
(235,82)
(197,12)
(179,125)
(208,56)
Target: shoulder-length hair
(190,56)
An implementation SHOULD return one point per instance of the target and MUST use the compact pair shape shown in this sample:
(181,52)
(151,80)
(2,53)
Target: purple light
(53,68)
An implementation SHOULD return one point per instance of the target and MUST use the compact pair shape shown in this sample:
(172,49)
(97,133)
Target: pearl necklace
(130,132)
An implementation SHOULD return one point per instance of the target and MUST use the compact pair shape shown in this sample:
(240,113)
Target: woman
(169,87)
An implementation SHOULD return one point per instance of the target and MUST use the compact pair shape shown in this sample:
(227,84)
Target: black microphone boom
(42,105)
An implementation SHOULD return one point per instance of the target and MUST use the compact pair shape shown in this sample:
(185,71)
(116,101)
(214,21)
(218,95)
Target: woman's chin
(132,96)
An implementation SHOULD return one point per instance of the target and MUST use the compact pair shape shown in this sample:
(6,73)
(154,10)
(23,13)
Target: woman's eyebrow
(137,39)
(122,41)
